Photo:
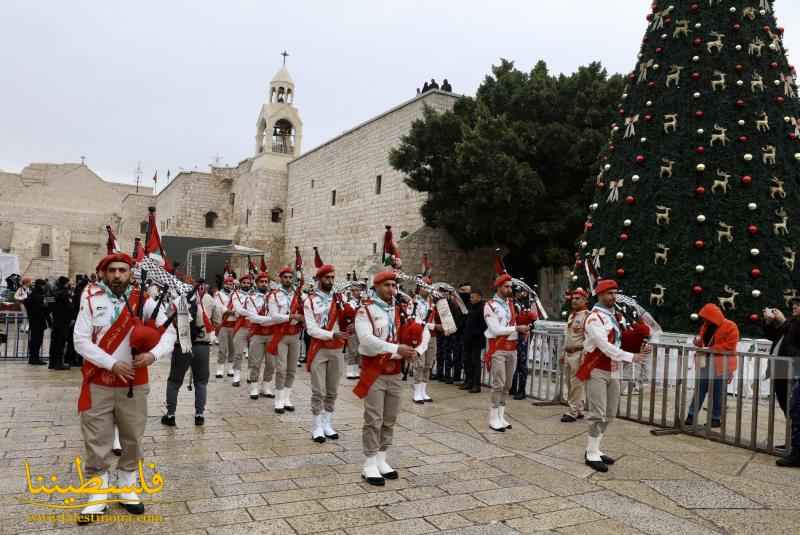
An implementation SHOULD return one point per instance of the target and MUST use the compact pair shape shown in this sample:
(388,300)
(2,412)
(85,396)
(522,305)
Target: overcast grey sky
(174,82)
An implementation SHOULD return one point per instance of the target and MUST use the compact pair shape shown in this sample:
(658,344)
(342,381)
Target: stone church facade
(337,196)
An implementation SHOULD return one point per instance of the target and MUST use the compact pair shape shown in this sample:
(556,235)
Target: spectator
(572,358)
(61,310)
(72,357)
(787,345)
(20,296)
(425,87)
(446,86)
(785,337)
(525,316)
(38,319)
(474,340)
(460,318)
(720,336)
(433,85)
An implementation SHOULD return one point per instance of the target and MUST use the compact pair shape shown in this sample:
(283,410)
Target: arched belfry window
(261,135)
(211,219)
(283,137)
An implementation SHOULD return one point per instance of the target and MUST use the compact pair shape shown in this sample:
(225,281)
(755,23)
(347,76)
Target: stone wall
(349,164)
(182,205)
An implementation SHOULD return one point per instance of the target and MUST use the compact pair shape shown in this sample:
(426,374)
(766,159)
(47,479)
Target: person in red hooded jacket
(720,336)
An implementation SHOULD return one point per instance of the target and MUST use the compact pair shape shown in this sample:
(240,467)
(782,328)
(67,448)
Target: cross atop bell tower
(279,128)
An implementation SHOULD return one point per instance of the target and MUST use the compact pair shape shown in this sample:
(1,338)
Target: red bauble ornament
(695,76)
(739,67)
(765,28)
(620,272)
(792,136)
(700,150)
(737,27)
(781,29)
(631,77)
(640,158)
(651,84)
(612,148)
(699,114)
(578,263)
(697,41)
(699,191)
(740,103)
(699,244)
(754,318)
(659,50)
(747,180)
(648,117)
(622,112)
(744,139)
(774,65)
(752,229)
(623,237)
(630,199)
(697,289)
(588,225)
(601,185)
(695,8)
(779,100)
(755,273)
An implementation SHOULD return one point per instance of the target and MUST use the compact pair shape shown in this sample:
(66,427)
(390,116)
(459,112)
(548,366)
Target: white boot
(425,396)
(229,369)
(327,427)
(352,371)
(254,390)
(593,456)
(236,378)
(220,371)
(116,447)
(317,430)
(605,458)
(383,467)
(418,394)
(131,501)
(502,415)
(371,473)
(494,420)
(356,371)
(266,389)
(287,400)
(96,504)
(279,401)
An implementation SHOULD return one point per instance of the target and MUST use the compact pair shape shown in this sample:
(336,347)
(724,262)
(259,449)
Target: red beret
(228,280)
(114,257)
(501,280)
(244,278)
(285,270)
(605,285)
(578,292)
(323,270)
(262,275)
(384,276)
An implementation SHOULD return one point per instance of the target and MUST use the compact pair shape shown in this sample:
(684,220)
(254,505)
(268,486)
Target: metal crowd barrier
(661,391)
(14,337)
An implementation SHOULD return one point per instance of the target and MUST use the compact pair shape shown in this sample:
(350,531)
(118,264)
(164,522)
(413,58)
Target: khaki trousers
(256,355)
(112,405)
(351,351)
(603,394)
(503,364)
(425,362)
(239,345)
(326,372)
(286,361)
(381,407)
(225,350)
(576,390)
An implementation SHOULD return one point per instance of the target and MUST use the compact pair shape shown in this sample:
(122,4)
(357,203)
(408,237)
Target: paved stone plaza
(250,471)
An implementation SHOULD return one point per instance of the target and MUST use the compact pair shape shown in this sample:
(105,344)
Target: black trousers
(58,344)
(794,411)
(472,360)
(520,378)
(457,356)
(782,387)
(197,360)
(35,341)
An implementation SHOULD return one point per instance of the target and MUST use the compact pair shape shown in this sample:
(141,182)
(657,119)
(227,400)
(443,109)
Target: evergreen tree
(696,197)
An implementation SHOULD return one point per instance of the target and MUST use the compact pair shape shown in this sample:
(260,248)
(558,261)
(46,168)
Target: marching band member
(260,335)
(242,302)
(601,366)
(117,349)
(573,354)
(322,310)
(351,353)
(286,316)
(225,319)
(501,333)
(385,338)
(425,313)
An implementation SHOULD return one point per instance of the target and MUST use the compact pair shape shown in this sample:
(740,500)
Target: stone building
(337,196)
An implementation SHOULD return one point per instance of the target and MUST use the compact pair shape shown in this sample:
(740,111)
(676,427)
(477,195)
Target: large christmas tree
(697,195)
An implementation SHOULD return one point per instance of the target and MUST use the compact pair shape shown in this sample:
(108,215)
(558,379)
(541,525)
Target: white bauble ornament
(797,155)
(777,83)
(635,178)
(700,131)
(563,313)
(624,95)
(699,268)
(787,119)
(748,157)
(701,167)
(648,103)
(574,277)
(656,67)
(584,244)
(740,83)
(756,293)
(695,58)
(643,140)
(701,218)
(664,36)
(698,25)
(694,317)
(762,12)
(607,166)
(627,222)
(732,9)
(615,129)
(620,255)
(696,94)
(754,252)
(640,56)
(773,47)
(752,206)
(738,48)
(593,206)
(742,122)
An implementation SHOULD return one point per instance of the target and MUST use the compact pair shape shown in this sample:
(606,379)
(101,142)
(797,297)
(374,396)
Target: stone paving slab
(251,471)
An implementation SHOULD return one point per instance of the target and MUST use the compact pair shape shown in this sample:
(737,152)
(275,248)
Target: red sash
(317,344)
(115,335)
(261,330)
(596,358)
(373,367)
(501,343)
(206,321)
(284,329)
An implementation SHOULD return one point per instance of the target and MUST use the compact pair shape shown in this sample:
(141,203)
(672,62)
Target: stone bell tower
(279,129)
